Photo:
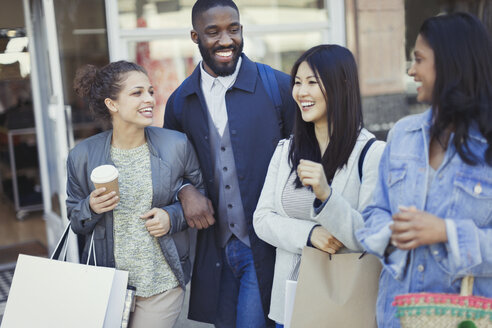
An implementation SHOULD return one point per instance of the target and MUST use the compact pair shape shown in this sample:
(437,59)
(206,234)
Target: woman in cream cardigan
(313,193)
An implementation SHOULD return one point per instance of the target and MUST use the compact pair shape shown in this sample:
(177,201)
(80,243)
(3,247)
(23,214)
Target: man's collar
(226,81)
(246,78)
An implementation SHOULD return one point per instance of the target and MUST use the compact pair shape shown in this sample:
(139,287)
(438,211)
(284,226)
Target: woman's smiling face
(135,102)
(309,96)
(423,70)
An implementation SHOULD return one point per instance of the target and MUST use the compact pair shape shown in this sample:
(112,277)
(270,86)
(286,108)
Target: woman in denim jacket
(431,217)
(143,231)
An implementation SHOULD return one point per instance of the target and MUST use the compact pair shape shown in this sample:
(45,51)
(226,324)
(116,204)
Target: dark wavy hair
(94,85)
(462,93)
(336,71)
(201,6)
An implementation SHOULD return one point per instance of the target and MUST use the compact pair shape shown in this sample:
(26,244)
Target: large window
(156,34)
(177,13)
(81,34)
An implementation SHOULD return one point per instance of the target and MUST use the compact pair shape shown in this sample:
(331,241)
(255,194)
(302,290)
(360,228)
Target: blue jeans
(239,297)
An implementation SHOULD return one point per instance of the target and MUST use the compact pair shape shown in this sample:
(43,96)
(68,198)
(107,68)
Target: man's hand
(323,240)
(413,228)
(312,174)
(198,209)
(158,222)
(102,203)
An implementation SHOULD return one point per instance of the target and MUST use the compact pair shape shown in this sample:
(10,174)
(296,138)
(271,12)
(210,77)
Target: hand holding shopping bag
(337,290)
(51,293)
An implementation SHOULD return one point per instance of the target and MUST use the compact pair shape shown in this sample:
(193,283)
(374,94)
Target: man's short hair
(201,6)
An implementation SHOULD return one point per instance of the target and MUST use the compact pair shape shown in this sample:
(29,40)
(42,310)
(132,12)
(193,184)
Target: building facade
(43,42)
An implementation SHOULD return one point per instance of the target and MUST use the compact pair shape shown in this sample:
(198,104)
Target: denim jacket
(461,194)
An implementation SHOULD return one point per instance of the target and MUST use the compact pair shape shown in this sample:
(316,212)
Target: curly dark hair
(94,85)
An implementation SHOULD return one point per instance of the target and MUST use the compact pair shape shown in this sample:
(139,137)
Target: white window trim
(336,10)
(148,34)
(116,46)
(333,30)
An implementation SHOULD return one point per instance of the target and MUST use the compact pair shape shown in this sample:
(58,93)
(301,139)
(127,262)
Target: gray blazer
(172,159)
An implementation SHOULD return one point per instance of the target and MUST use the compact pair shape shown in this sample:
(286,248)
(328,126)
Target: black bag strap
(363,155)
(62,244)
(267,76)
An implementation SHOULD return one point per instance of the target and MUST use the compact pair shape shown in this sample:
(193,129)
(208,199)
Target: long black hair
(463,88)
(336,72)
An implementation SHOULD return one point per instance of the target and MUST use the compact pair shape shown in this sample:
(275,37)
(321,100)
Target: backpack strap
(267,76)
(178,103)
(363,155)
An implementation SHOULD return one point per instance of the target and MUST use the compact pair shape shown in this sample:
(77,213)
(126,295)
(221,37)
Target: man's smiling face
(219,36)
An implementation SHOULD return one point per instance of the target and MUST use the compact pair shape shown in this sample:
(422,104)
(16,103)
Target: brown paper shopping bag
(336,292)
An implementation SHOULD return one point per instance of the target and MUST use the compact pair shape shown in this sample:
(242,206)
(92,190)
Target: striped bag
(445,310)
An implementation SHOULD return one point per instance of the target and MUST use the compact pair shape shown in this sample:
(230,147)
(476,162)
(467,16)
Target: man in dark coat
(226,111)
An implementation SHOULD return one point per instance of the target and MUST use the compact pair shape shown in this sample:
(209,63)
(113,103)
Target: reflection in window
(177,13)
(268,36)
(280,50)
(81,40)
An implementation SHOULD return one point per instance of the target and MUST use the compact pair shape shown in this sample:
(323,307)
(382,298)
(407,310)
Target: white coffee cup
(106,176)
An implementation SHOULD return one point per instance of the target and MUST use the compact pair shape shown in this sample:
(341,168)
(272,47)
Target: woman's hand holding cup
(101,202)
(106,195)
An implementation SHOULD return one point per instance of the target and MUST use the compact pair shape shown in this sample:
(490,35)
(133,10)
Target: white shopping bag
(117,298)
(50,293)
(290,296)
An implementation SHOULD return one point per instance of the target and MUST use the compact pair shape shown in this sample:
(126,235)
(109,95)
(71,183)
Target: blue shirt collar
(425,123)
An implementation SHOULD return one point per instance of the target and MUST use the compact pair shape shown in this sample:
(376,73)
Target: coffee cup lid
(104,173)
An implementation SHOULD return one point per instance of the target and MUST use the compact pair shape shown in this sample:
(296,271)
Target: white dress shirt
(214,90)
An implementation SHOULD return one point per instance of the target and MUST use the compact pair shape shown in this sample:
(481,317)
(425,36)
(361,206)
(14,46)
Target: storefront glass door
(66,34)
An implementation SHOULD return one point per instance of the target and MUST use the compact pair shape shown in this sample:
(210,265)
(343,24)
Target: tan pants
(159,311)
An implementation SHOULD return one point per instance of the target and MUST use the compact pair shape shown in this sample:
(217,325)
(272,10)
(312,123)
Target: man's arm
(197,208)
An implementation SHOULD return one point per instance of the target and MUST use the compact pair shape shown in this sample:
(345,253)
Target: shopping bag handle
(467,286)
(92,250)
(294,270)
(62,244)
